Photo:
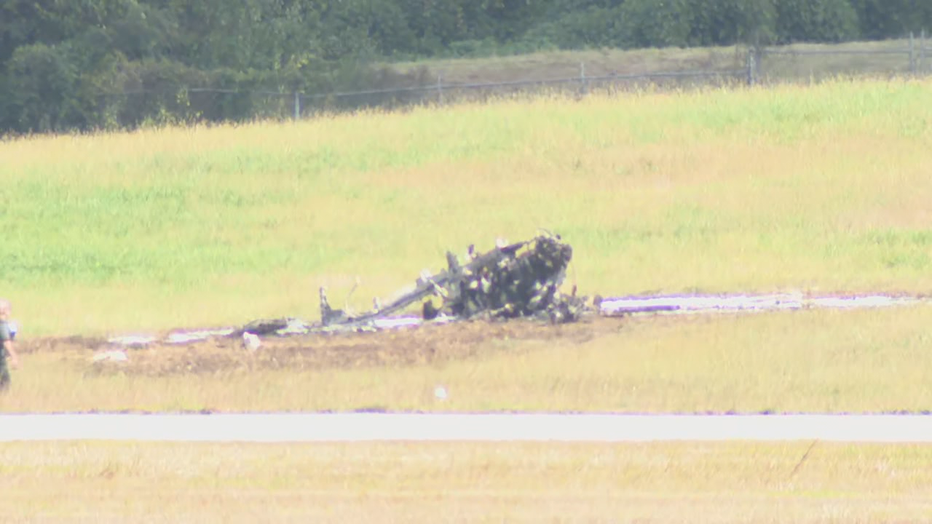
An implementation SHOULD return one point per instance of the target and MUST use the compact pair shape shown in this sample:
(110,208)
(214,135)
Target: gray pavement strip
(453,427)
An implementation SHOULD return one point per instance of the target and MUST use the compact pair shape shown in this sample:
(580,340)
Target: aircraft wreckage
(510,281)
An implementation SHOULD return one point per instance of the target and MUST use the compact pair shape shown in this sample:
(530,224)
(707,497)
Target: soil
(402,347)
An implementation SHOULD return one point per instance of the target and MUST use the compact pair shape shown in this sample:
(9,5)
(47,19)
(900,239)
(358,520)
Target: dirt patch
(51,344)
(429,344)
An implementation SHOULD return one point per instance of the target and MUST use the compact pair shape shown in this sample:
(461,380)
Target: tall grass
(822,187)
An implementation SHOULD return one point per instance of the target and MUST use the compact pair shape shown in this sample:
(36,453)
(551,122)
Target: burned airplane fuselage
(513,280)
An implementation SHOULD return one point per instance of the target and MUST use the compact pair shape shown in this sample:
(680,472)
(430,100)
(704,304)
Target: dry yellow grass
(809,361)
(736,482)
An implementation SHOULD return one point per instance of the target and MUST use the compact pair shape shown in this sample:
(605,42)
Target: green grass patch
(821,187)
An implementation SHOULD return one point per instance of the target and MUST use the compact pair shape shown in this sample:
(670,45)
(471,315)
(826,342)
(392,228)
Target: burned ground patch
(426,345)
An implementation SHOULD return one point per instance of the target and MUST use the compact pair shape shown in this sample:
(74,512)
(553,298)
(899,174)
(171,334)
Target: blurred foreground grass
(440,482)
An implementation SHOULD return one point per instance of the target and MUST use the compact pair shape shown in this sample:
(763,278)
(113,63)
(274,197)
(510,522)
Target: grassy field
(91,482)
(822,188)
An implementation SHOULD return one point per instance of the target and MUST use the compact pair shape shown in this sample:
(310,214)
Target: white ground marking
(374,427)
(695,304)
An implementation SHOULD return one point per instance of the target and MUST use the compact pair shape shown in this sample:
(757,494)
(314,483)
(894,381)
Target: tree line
(99,64)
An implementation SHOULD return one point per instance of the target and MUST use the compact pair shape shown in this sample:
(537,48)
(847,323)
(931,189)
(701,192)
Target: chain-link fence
(813,63)
(754,66)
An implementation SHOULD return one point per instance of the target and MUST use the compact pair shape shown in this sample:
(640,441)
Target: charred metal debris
(510,281)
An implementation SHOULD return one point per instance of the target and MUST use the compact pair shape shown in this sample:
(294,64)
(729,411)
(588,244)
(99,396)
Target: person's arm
(6,342)
(14,360)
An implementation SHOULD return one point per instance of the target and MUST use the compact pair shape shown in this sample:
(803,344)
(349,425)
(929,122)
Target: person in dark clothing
(6,345)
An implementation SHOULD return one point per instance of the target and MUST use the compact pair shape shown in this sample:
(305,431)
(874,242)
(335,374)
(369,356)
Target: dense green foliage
(85,64)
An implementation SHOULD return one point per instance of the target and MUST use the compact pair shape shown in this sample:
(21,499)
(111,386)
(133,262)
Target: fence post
(912,53)
(751,66)
(583,86)
(922,51)
(297,105)
(440,88)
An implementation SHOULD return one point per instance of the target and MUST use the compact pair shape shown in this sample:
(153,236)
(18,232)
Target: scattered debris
(110,356)
(399,322)
(184,337)
(510,281)
(251,341)
(132,340)
(328,315)
(440,393)
(274,326)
